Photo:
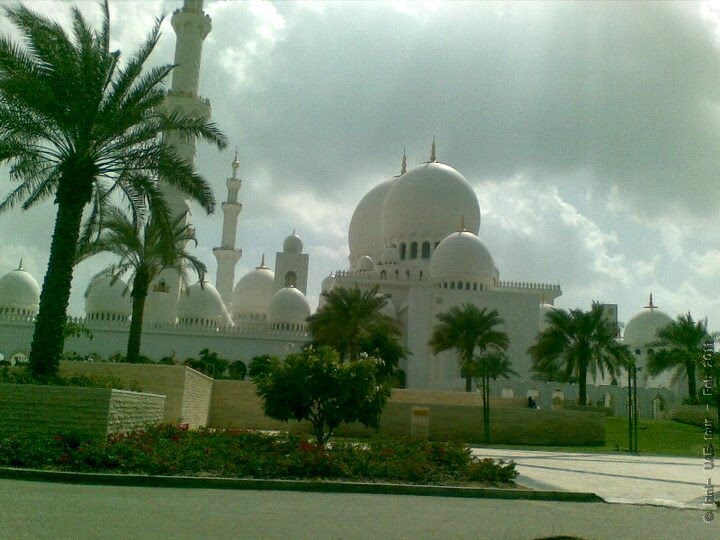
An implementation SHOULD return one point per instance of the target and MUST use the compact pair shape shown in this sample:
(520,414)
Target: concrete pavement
(622,478)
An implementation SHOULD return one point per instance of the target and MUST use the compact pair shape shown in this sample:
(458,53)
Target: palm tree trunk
(48,337)
(486,408)
(582,383)
(467,361)
(139,294)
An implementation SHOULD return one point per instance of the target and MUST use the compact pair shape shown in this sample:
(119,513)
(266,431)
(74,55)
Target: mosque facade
(416,236)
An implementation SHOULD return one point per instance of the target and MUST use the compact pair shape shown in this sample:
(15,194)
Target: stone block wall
(93,412)
(196,399)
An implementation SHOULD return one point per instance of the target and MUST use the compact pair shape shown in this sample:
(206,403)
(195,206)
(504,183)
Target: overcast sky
(589,131)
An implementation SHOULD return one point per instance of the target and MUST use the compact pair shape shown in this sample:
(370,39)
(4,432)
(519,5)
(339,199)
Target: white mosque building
(416,236)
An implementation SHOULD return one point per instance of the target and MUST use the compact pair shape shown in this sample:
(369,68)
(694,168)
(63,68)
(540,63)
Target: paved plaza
(622,478)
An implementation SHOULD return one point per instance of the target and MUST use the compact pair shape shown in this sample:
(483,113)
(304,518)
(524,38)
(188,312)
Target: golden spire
(20,266)
(235,164)
(262,263)
(403,169)
(432,152)
(650,305)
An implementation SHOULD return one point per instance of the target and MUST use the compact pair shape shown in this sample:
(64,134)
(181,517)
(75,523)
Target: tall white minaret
(227,255)
(191,27)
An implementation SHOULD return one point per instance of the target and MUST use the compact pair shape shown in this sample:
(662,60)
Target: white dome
(202,305)
(19,293)
(289,306)
(365,233)
(293,244)
(390,255)
(252,294)
(544,310)
(427,203)
(107,298)
(327,284)
(365,263)
(641,329)
(462,257)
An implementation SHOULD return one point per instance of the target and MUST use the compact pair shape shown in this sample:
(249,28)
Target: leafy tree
(145,250)
(348,317)
(492,365)
(209,363)
(237,370)
(387,350)
(579,343)
(259,365)
(76,124)
(680,348)
(315,385)
(468,330)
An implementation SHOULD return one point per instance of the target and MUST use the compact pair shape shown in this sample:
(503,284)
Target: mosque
(416,236)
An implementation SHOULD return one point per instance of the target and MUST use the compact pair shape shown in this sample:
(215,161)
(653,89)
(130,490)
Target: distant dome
(327,284)
(288,309)
(544,310)
(641,329)
(293,244)
(19,293)
(462,258)
(365,263)
(390,255)
(427,203)
(252,294)
(365,233)
(108,300)
(201,305)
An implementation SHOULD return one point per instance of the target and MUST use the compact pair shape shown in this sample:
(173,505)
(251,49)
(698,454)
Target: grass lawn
(661,437)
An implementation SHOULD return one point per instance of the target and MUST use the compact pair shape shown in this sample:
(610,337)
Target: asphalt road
(58,511)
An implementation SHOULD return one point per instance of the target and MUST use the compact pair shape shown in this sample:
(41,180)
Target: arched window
(383,274)
(290,279)
(402,251)
(426,250)
(452,284)
(420,275)
(407,274)
(397,274)
(413,250)
(475,287)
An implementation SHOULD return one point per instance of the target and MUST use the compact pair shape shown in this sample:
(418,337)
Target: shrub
(22,375)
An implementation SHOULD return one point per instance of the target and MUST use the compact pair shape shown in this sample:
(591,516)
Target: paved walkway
(667,481)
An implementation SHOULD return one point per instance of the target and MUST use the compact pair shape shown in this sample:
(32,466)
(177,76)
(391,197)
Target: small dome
(365,263)
(390,255)
(293,244)
(427,203)
(19,293)
(365,232)
(202,305)
(462,257)
(327,284)
(641,329)
(253,293)
(544,310)
(289,307)
(108,297)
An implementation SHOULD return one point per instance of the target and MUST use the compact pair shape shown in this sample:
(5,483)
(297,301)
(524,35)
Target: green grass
(659,437)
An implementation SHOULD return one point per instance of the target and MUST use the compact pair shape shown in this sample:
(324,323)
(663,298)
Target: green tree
(144,251)
(579,343)
(386,348)
(468,330)
(680,348)
(237,370)
(489,366)
(259,365)
(315,385)
(348,317)
(75,123)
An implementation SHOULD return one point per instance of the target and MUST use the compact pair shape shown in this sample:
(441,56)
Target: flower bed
(169,450)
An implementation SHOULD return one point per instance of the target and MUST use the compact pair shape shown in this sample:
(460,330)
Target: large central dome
(365,232)
(428,203)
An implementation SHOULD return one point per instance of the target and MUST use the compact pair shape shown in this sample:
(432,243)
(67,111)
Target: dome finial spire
(262,262)
(462,224)
(650,305)
(403,168)
(433,159)
(235,164)
(20,266)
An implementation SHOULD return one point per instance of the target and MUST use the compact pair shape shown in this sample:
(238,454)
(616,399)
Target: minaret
(191,27)
(227,255)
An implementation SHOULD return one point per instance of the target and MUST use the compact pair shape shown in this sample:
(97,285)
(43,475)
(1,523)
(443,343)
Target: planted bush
(169,450)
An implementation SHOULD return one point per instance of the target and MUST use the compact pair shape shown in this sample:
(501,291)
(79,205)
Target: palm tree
(348,318)
(577,343)
(144,252)
(72,120)
(681,348)
(491,365)
(468,329)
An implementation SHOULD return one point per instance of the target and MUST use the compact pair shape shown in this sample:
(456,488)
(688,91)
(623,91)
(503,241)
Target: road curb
(136,480)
